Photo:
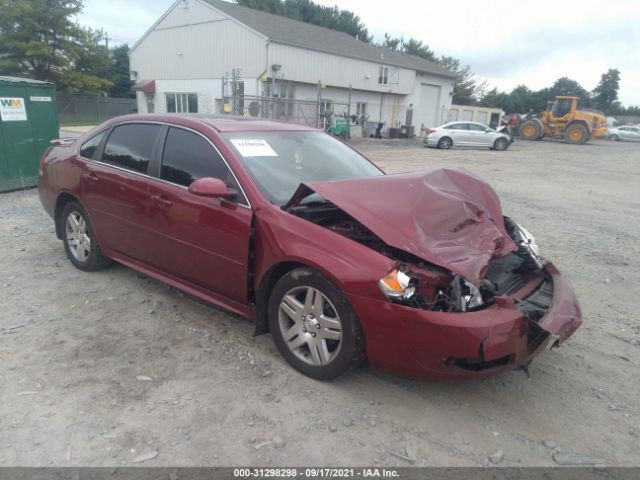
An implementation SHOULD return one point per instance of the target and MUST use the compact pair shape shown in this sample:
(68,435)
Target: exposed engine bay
(432,287)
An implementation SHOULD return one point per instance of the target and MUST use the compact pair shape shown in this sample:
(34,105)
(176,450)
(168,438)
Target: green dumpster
(28,122)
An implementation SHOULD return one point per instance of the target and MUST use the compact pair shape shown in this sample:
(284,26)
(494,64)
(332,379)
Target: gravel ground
(113,368)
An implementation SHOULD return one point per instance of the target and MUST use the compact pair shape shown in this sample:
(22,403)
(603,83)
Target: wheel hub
(310,323)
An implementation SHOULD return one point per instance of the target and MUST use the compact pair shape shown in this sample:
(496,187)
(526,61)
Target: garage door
(428,110)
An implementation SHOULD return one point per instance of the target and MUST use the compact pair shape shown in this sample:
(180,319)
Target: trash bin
(28,122)
(394,133)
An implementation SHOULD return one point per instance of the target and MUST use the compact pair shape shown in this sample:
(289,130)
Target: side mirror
(210,187)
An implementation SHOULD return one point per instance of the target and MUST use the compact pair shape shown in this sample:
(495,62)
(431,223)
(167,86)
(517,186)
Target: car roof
(463,121)
(221,123)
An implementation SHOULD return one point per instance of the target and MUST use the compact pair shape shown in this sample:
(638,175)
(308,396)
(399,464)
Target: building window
(467,115)
(361,108)
(150,97)
(182,102)
(383,75)
(326,106)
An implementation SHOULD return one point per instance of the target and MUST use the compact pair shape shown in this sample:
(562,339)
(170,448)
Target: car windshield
(279,161)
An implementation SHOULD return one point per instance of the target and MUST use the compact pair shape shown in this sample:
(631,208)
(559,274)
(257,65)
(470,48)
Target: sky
(506,43)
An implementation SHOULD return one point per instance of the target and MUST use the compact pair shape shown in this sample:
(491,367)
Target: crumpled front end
(468,295)
(505,335)
(448,217)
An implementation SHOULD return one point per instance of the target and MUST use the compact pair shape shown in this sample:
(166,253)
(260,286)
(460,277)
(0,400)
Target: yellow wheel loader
(563,120)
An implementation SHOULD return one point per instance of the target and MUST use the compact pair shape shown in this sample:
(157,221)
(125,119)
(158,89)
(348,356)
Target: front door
(202,240)
(478,135)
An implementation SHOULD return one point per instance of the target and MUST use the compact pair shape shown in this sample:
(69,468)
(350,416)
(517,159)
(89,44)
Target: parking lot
(113,368)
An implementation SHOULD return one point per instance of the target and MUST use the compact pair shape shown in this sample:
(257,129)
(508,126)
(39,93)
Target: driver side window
(187,157)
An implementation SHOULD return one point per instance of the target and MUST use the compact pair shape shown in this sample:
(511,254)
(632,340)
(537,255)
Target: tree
(605,95)
(310,12)
(39,39)
(37,36)
(391,43)
(121,81)
(410,47)
(466,87)
(419,49)
(567,86)
(91,70)
(496,99)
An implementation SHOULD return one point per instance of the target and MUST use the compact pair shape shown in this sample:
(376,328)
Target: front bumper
(426,344)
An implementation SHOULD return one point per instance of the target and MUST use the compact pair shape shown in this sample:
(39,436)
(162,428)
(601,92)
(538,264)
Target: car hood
(448,217)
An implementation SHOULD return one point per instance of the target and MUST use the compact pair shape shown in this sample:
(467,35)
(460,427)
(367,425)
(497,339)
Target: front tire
(530,130)
(445,143)
(313,325)
(576,134)
(614,138)
(79,239)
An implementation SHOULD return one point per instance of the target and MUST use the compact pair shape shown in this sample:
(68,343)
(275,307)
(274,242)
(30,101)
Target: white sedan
(626,132)
(466,134)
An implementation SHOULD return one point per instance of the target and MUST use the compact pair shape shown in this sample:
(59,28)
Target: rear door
(459,132)
(115,186)
(202,240)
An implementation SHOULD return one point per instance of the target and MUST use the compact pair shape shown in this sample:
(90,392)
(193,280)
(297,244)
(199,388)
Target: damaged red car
(421,274)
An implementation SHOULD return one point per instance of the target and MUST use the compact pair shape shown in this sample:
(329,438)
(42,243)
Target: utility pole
(318,105)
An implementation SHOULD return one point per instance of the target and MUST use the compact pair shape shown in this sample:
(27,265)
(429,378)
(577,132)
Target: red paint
(202,245)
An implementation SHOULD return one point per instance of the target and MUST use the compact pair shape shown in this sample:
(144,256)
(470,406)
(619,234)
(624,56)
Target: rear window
(88,148)
(130,146)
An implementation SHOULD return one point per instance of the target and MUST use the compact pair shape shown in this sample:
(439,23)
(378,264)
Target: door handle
(162,201)
(90,177)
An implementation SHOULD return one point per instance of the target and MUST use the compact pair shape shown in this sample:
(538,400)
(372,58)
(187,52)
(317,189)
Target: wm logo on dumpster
(11,102)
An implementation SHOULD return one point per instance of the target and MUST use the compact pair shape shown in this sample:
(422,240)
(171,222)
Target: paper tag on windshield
(252,147)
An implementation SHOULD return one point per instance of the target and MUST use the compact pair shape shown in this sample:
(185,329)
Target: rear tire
(614,138)
(79,239)
(576,134)
(314,326)
(530,130)
(501,144)
(445,143)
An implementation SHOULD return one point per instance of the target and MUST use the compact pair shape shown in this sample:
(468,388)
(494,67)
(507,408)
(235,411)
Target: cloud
(124,21)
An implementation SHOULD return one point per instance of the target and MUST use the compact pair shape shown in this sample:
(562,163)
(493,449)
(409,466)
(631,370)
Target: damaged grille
(534,308)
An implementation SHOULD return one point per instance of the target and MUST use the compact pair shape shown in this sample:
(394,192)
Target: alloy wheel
(310,325)
(77,235)
(445,143)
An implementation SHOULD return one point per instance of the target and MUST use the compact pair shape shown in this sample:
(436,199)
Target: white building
(491,117)
(181,62)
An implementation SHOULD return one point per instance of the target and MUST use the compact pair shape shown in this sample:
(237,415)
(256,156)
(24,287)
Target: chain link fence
(313,113)
(92,109)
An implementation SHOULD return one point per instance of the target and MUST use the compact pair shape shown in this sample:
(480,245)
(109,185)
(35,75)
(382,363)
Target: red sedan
(419,273)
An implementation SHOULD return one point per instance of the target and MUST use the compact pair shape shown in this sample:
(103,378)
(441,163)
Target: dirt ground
(113,368)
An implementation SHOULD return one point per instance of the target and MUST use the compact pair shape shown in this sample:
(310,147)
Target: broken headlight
(397,285)
(465,295)
(527,244)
